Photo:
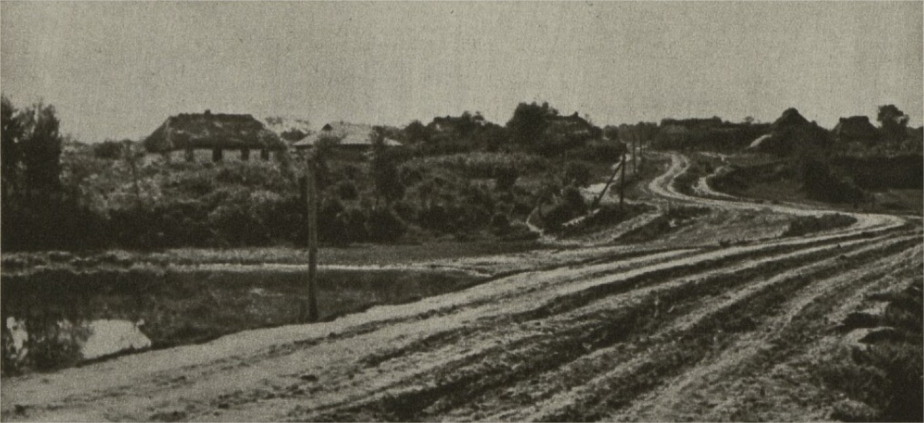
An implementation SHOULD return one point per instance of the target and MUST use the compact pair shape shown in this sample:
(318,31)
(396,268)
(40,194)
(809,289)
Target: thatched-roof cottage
(344,135)
(216,132)
(856,128)
(792,133)
(789,119)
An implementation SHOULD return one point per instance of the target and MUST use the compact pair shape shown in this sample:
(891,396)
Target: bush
(346,190)
(505,178)
(577,173)
(886,377)
(383,226)
(433,217)
(571,206)
(109,150)
(500,224)
(803,225)
(820,183)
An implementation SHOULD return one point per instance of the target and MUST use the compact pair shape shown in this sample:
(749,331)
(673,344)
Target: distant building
(791,118)
(344,135)
(574,126)
(790,133)
(189,132)
(855,128)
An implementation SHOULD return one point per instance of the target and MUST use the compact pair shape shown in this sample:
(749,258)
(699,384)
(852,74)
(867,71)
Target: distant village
(242,133)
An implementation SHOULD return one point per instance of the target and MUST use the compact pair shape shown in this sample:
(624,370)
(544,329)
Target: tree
(894,122)
(40,148)
(416,132)
(529,121)
(611,132)
(9,148)
(385,171)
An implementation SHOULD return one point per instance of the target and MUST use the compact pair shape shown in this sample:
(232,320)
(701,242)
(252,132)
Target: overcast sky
(117,70)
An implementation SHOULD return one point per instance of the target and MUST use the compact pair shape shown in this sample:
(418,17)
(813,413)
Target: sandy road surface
(686,333)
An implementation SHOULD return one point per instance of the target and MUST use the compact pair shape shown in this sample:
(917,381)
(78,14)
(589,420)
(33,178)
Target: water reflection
(38,346)
(113,336)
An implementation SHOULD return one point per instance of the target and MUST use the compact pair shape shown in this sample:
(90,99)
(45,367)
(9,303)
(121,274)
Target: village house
(348,141)
(792,132)
(190,132)
(856,129)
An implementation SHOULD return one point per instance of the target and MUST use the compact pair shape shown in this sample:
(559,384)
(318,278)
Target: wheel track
(782,337)
(390,406)
(672,355)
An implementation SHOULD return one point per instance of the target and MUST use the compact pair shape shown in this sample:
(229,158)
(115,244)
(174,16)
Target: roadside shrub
(405,210)
(346,190)
(353,222)
(108,149)
(433,217)
(571,206)
(577,173)
(598,152)
(330,225)
(505,178)
(483,165)
(500,224)
(820,183)
(803,225)
(383,226)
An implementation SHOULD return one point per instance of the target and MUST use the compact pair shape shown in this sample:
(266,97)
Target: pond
(59,318)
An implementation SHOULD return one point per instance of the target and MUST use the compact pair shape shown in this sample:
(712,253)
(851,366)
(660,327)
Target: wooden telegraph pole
(634,154)
(622,183)
(311,191)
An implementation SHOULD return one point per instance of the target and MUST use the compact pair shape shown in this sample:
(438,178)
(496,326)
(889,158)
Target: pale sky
(116,70)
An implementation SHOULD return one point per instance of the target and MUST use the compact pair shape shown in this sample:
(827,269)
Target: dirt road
(703,332)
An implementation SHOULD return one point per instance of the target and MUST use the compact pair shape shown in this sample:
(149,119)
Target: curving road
(702,333)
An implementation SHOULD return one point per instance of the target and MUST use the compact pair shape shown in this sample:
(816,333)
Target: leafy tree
(611,132)
(894,122)
(385,171)
(505,178)
(41,148)
(529,121)
(577,174)
(9,148)
(109,149)
(416,133)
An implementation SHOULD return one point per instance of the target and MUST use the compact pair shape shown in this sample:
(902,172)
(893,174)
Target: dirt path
(659,334)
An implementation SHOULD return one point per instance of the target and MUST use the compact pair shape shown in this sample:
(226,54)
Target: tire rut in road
(671,353)
(533,390)
(804,317)
(505,364)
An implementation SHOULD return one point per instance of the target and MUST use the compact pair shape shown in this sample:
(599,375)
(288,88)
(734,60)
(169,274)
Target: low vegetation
(883,380)
(804,225)
(457,177)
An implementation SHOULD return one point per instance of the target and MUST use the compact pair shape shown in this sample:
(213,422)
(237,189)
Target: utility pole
(599,197)
(311,194)
(622,183)
(634,154)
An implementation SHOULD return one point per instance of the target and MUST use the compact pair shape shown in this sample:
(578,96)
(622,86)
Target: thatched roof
(787,140)
(207,130)
(856,128)
(789,119)
(345,134)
